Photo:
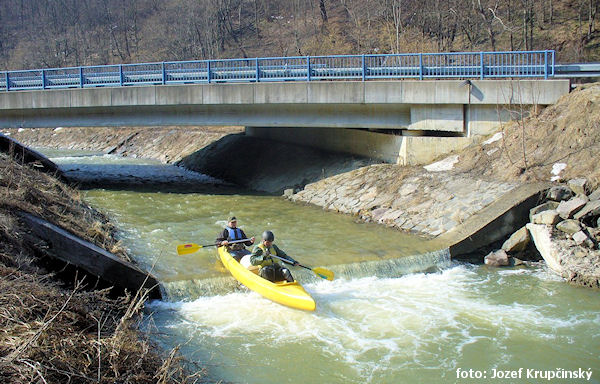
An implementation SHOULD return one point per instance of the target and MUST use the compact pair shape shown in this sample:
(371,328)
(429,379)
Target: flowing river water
(399,311)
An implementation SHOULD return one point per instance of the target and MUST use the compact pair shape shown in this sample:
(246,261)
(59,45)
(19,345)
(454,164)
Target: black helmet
(268,236)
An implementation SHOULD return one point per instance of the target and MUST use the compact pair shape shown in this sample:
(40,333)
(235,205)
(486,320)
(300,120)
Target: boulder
(517,242)
(498,258)
(559,193)
(581,238)
(566,209)
(543,207)
(590,210)
(517,262)
(550,217)
(569,226)
(579,186)
(595,195)
(541,236)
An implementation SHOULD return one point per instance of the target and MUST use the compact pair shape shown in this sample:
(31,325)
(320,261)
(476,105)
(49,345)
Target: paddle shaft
(218,245)
(288,261)
(321,272)
(235,241)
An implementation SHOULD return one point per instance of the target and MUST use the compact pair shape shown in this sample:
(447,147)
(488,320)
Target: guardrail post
(308,70)
(43,79)
(121,74)
(164,73)
(420,66)
(364,69)
(546,65)
(80,77)
(208,71)
(257,70)
(481,68)
(7,78)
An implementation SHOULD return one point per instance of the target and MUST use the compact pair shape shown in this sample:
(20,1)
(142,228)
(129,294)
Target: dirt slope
(567,132)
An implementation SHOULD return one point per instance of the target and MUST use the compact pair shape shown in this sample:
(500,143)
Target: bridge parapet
(479,65)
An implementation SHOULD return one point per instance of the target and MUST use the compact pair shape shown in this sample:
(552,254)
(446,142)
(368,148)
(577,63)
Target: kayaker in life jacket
(231,233)
(270,267)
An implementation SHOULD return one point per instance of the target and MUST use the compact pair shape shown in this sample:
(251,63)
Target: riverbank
(166,144)
(57,325)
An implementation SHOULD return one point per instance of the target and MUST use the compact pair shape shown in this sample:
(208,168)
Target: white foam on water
(377,325)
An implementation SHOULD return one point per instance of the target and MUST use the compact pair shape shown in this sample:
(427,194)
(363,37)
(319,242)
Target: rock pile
(565,230)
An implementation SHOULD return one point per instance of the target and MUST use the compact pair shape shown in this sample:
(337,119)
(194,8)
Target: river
(398,311)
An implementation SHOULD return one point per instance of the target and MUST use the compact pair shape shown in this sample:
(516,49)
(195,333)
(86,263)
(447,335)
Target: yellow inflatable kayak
(289,294)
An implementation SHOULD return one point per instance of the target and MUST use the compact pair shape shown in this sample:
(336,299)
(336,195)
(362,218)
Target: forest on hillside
(59,33)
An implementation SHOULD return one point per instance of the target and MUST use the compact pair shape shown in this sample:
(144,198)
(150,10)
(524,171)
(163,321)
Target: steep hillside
(41,33)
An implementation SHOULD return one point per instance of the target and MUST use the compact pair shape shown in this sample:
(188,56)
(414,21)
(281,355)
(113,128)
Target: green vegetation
(58,33)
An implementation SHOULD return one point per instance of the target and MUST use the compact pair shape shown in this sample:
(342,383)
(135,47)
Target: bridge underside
(409,122)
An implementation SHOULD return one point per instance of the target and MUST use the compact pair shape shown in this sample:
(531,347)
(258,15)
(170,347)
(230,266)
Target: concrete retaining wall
(91,258)
(496,221)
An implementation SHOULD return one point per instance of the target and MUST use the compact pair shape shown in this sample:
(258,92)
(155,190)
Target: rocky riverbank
(565,229)
(425,202)
(167,144)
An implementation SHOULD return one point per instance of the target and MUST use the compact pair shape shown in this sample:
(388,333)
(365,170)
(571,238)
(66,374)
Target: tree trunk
(323,11)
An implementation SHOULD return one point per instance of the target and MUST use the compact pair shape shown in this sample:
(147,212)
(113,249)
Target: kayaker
(230,233)
(270,267)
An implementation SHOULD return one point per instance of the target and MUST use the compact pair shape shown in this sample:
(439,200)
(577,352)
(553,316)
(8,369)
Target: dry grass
(23,189)
(54,335)
(53,332)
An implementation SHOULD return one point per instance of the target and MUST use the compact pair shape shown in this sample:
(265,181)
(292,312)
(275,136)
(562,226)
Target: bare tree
(486,12)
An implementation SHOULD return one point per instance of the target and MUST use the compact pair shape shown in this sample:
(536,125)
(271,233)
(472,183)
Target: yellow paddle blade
(187,249)
(323,273)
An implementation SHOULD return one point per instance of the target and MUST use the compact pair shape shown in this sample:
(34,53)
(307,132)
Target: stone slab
(496,221)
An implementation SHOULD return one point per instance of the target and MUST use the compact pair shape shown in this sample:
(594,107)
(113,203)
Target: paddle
(321,272)
(186,249)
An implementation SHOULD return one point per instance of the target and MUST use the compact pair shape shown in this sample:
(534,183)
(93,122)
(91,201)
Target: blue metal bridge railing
(482,65)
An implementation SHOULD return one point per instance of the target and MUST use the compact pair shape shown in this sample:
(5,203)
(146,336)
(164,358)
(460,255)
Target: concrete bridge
(408,122)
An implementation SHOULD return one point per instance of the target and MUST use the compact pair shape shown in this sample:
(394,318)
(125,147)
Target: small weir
(192,289)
